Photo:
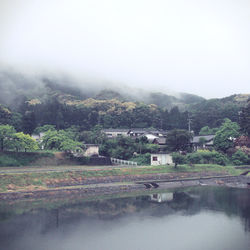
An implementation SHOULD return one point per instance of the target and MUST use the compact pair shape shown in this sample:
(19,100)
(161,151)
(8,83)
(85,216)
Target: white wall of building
(161,159)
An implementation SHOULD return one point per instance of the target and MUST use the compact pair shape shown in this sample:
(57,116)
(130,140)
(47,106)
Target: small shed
(161,159)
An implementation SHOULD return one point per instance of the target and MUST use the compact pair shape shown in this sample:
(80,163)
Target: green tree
(225,136)
(207,131)
(7,133)
(60,140)
(178,159)
(245,119)
(69,145)
(178,139)
(53,139)
(24,142)
(44,128)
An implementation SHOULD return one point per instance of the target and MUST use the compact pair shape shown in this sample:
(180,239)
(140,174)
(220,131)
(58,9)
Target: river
(206,218)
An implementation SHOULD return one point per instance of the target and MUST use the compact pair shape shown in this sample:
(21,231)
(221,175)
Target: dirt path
(39,169)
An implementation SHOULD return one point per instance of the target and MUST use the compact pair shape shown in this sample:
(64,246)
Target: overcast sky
(195,46)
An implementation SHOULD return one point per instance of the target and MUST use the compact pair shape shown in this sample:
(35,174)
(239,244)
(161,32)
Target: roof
(196,139)
(160,140)
(146,130)
(125,130)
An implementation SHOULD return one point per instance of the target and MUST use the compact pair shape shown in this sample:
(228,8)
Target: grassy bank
(10,159)
(42,180)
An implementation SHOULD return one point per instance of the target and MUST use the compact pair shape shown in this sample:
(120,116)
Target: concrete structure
(91,150)
(38,137)
(161,159)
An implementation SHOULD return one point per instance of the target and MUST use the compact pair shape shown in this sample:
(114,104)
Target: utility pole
(189,123)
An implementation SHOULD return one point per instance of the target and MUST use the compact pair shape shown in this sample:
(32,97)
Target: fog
(199,47)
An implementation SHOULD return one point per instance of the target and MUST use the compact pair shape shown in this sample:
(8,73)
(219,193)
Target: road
(45,169)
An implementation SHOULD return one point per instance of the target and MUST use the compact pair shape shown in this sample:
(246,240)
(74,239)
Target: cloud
(189,46)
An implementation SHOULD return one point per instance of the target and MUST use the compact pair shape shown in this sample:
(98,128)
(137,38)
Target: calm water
(198,218)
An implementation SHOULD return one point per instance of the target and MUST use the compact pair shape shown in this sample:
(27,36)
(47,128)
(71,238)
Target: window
(155,158)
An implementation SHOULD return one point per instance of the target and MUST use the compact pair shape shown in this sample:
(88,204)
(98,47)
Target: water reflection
(162,197)
(197,218)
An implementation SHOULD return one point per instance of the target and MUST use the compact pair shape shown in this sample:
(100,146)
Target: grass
(31,181)
(21,158)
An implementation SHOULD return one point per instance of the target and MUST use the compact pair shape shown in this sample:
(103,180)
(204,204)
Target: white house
(161,159)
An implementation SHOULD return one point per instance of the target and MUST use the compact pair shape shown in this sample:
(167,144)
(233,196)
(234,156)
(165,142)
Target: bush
(240,158)
(220,159)
(143,159)
(178,159)
(194,158)
(21,158)
(207,157)
(7,161)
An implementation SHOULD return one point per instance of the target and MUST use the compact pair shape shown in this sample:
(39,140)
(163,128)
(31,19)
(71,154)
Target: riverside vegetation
(68,118)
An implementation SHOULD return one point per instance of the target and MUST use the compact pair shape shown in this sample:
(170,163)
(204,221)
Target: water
(198,218)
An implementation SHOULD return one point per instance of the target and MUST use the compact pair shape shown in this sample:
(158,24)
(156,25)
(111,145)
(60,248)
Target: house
(161,142)
(202,142)
(38,137)
(137,132)
(116,132)
(151,137)
(161,159)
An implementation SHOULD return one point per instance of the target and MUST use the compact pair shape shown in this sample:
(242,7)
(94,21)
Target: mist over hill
(30,101)
(14,87)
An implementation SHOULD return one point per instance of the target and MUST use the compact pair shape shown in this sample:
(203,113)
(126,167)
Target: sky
(194,46)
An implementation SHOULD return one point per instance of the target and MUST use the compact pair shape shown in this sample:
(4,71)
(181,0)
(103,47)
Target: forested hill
(28,103)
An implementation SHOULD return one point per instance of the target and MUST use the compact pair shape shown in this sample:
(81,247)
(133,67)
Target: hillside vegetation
(27,104)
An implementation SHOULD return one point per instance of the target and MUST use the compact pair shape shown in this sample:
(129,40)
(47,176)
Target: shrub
(220,159)
(194,158)
(143,159)
(178,159)
(7,161)
(240,158)
(207,157)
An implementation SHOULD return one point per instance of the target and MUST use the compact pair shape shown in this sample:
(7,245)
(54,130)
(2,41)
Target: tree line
(86,114)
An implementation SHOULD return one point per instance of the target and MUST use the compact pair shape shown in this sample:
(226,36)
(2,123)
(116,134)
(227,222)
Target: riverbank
(61,181)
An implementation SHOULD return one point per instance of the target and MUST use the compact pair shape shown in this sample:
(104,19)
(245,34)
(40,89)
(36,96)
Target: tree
(178,139)
(245,119)
(225,136)
(60,140)
(178,159)
(24,142)
(29,122)
(207,131)
(69,145)
(44,128)
(53,139)
(7,133)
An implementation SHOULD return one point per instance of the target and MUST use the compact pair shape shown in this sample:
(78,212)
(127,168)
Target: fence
(122,162)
